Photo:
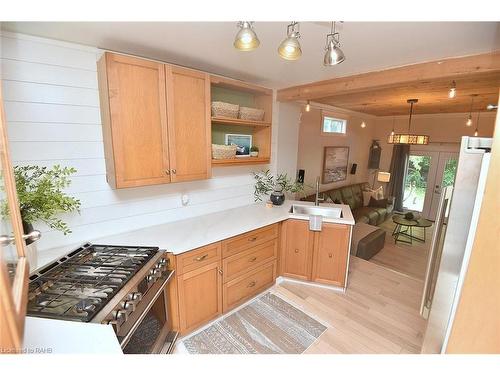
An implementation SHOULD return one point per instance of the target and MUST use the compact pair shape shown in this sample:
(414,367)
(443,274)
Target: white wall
(312,143)
(52,108)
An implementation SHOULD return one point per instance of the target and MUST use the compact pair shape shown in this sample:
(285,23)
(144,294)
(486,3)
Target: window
(333,125)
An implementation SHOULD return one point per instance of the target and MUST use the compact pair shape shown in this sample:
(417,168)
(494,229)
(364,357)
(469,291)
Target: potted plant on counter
(41,196)
(274,186)
(254,151)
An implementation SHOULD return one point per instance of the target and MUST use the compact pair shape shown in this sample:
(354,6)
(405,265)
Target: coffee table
(404,227)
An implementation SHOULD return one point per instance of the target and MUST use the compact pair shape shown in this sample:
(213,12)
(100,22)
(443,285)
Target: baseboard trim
(282,279)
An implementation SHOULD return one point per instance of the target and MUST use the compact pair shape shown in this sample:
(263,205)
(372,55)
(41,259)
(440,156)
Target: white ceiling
(208,46)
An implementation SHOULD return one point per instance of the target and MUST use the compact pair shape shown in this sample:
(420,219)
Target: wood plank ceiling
(384,93)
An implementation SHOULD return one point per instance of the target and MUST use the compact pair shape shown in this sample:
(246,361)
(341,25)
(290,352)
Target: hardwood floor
(379,313)
(408,259)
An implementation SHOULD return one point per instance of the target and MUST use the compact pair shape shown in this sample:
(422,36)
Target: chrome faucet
(318,199)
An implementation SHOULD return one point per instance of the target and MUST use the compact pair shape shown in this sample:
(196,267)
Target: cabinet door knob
(296,250)
(252,284)
(253,239)
(330,255)
(253,259)
(167,171)
(174,171)
(220,270)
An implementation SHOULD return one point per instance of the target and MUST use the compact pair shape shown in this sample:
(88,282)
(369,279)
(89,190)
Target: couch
(353,196)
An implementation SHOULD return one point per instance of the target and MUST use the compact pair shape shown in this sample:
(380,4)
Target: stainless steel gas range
(124,286)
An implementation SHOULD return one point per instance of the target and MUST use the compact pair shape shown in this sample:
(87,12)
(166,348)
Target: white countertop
(51,336)
(184,235)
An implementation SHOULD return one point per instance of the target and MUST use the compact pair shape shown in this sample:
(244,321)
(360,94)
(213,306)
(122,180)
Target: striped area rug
(267,325)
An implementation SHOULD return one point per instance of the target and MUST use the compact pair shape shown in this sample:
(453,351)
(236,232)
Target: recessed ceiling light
(453,90)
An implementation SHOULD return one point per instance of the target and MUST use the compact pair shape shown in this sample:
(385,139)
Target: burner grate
(79,287)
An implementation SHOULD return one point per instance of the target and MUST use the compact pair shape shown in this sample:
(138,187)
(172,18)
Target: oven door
(152,331)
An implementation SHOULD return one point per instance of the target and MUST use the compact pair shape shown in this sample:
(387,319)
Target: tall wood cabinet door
(189,124)
(14,263)
(297,250)
(330,254)
(200,296)
(138,119)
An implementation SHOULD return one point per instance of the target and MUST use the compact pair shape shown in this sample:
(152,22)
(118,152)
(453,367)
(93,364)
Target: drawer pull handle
(203,257)
(252,284)
(296,250)
(330,255)
(253,239)
(252,259)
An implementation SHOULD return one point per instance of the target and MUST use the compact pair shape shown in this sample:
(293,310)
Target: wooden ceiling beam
(445,69)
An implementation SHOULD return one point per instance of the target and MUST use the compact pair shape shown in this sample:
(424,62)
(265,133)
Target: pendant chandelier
(409,138)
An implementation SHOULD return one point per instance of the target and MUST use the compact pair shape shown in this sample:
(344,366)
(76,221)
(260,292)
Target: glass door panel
(416,182)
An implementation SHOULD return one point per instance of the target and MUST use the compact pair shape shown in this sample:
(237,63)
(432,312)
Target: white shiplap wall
(52,108)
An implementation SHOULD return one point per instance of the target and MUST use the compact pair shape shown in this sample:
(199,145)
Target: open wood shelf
(240,161)
(238,121)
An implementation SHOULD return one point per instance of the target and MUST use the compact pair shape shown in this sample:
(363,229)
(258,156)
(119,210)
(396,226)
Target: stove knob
(151,278)
(136,296)
(129,306)
(163,261)
(120,316)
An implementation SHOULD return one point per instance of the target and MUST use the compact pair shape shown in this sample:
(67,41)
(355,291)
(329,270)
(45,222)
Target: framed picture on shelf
(335,162)
(243,143)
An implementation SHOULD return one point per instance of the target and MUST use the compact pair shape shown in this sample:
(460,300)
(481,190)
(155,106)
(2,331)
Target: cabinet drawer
(200,257)
(250,259)
(247,240)
(244,287)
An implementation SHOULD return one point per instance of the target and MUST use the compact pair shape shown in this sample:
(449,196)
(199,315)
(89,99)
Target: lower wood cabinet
(297,249)
(315,256)
(330,254)
(243,288)
(200,296)
(216,278)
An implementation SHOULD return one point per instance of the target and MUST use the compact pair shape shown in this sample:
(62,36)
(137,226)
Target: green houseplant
(41,196)
(254,151)
(274,185)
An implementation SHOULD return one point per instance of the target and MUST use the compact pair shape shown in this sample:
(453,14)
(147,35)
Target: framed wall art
(335,162)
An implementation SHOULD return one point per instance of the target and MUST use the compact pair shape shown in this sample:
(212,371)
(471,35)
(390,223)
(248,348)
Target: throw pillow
(379,203)
(379,193)
(367,194)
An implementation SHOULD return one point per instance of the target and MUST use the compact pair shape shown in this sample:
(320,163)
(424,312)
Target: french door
(427,173)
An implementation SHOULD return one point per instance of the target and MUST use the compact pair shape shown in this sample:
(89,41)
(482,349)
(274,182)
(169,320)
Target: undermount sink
(327,212)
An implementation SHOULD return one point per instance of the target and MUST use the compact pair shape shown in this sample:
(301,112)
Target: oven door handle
(139,320)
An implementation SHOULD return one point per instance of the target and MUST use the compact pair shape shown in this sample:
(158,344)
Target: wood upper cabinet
(189,129)
(134,117)
(331,249)
(156,121)
(297,249)
(200,296)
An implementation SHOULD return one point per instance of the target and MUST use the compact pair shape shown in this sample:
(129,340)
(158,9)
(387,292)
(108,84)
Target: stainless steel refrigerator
(452,240)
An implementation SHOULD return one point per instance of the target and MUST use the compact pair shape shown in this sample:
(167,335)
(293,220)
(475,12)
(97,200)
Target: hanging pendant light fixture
(476,132)
(409,138)
(453,90)
(333,53)
(246,39)
(469,118)
(308,106)
(289,49)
